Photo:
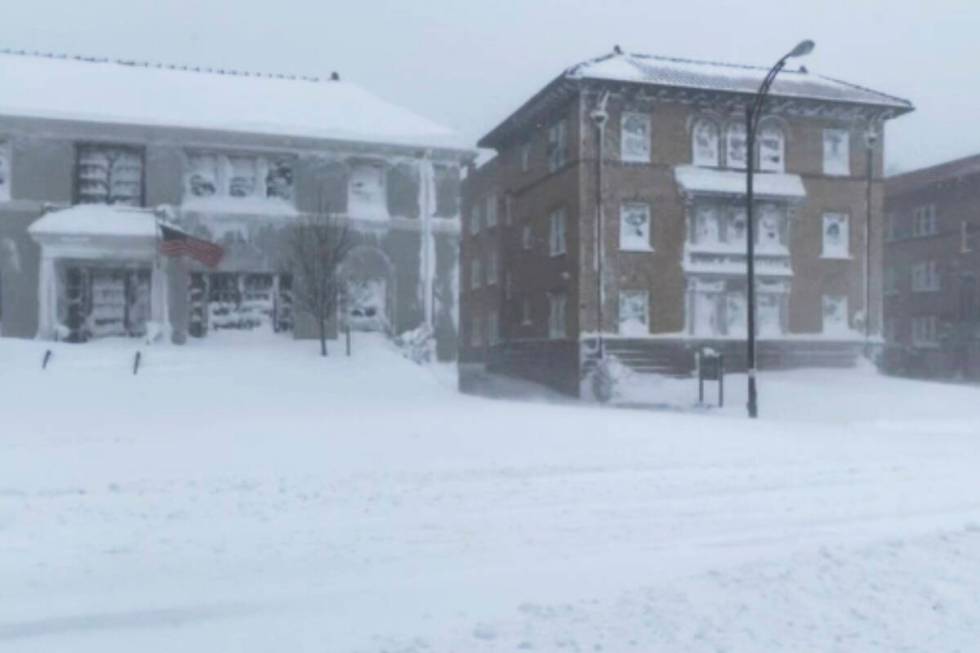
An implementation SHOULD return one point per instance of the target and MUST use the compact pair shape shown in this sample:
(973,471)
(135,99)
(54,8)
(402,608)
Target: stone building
(932,261)
(673,221)
(94,152)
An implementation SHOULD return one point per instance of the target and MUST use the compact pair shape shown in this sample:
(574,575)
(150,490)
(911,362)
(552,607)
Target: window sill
(836,257)
(641,250)
(557,254)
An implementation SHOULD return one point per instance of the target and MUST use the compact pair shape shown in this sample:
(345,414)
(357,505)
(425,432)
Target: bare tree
(318,244)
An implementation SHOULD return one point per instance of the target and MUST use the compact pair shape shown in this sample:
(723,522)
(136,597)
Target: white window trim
(476,273)
(527,238)
(557,233)
(834,170)
(526,317)
(846,222)
(760,162)
(695,159)
(557,145)
(836,329)
(646,307)
(629,246)
(643,157)
(557,331)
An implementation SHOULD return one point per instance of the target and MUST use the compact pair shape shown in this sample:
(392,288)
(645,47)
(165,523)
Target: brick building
(673,221)
(932,261)
(94,152)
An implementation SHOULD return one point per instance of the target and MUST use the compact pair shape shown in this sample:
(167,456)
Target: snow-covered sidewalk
(252,497)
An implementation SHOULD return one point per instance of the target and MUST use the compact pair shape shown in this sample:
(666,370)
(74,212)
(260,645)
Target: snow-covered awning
(97,231)
(697,180)
(97,220)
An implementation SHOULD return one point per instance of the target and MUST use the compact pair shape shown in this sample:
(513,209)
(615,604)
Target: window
(634,227)
(736,226)
(556,232)
(557,145)
(525,155)
(835,236)
(769,314)
(925,277)
(735,309)
(366,197)
(705,144)
(526,312)
(925,330)
(836,152)
(493,327)
(768,235)
(835,314)
(211,175)
(476,337)
(4,171)
(527,237)
(891,227)
(491,211)
(475,219)
(508,284)
(891,280)
(492,268)
(109,175)
(557,327)
(475,274)
(508,209)
(704,300)
(635,134)
(242,178)
(634,312)
(772,147)
(924,221)
(735,146)
(707,227)
(279,179)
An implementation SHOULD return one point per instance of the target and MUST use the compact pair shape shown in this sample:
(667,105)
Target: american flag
(175,242)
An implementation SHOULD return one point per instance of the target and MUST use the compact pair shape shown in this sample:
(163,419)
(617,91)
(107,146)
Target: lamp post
(752,114)
(871,138)
(599,117)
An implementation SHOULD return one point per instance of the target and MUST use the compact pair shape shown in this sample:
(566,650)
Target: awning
(710,181)
(93,220)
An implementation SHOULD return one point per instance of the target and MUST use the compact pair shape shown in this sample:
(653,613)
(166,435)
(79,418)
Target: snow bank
(241,493)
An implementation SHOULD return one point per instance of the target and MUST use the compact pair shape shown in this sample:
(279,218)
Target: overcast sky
(469,64)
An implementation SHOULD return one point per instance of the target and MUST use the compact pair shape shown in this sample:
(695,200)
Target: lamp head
(802,49)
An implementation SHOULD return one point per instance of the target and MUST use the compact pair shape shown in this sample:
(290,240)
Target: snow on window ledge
(836,257)
(248,206)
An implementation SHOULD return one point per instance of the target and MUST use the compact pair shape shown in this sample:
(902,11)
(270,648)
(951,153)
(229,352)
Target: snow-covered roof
(131,93)
(694,179)
(87,220)
(709,75)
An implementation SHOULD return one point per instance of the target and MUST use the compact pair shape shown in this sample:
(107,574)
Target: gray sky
(469,64)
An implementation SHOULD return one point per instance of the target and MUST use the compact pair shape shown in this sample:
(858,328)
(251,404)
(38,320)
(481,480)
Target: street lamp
(752,114)
(871,138)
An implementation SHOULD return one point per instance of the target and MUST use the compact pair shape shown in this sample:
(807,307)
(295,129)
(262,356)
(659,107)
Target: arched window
(705,144)
(735,146)
(772,148)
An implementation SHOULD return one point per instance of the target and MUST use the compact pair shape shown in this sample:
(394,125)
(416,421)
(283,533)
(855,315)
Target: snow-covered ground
(249,496)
